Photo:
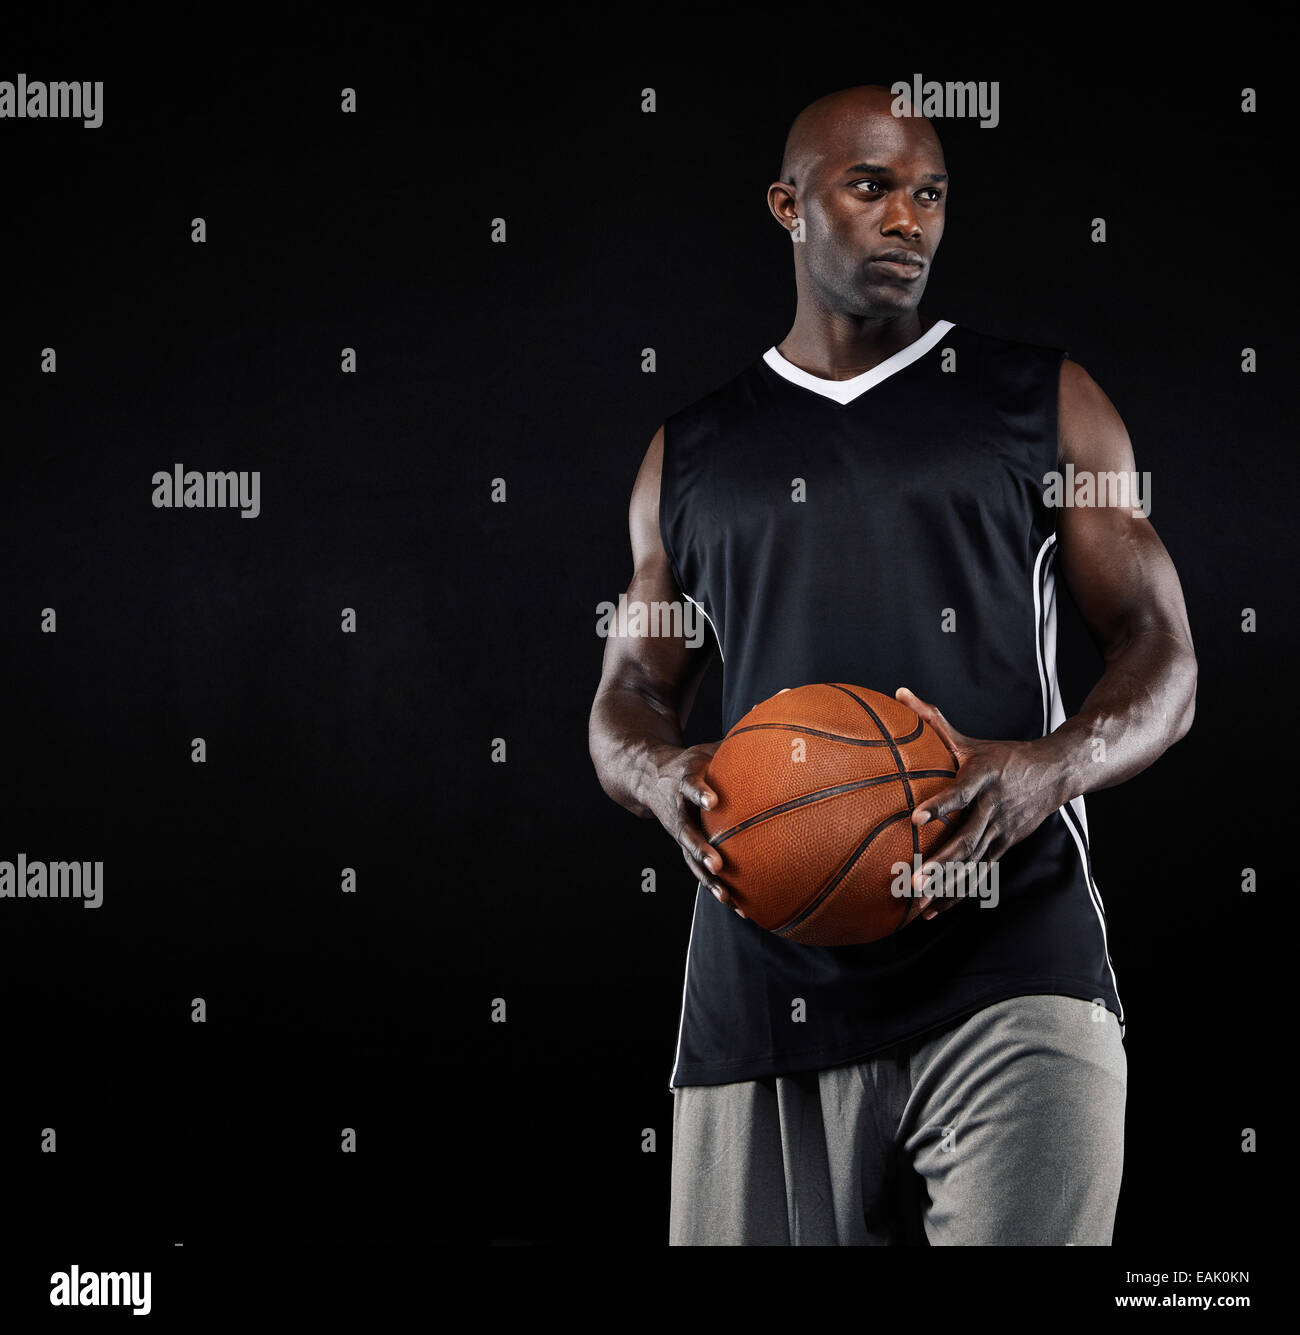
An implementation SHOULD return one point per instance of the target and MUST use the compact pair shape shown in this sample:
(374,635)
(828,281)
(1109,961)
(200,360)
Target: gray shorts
(1005,1128)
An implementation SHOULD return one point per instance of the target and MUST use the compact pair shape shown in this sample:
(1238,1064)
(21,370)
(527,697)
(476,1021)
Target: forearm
(628,735)
(1142,704)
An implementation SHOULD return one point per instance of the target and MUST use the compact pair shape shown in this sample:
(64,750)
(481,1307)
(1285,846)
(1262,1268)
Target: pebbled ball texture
(816,788)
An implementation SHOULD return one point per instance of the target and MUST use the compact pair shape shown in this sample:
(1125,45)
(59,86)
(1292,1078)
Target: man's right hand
(680,792)
(647,686)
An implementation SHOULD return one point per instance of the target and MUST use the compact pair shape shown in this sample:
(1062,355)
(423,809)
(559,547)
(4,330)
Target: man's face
(879,190)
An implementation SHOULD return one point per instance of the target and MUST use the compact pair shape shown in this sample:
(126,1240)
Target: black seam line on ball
(830,736)
(898,760)
(887,735)
(848,866)
(795,802)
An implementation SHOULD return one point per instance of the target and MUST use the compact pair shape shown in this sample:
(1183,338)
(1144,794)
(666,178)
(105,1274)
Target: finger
(953,797)
(969,835)
(942,905)
(697,848)
(966,844)
(696,791)
(704,876)
(935,906)
(928,907)
(955,741)
(730,901)
(964,889)
(724,898)
(918,706)
(715,887)
(956,794)
(704,860)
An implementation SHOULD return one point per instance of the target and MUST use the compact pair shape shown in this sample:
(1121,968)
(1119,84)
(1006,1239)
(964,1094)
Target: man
(963,1081)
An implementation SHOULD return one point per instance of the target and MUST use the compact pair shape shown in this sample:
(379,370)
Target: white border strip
(681,1024)
(709,619)
(845,391)
(1054,716)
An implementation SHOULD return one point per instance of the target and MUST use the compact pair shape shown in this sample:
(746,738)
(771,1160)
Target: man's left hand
(1004,790)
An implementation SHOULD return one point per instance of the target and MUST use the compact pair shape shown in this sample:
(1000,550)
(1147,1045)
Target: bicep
(1118,570)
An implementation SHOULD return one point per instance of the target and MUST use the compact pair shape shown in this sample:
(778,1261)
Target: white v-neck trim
(845,391)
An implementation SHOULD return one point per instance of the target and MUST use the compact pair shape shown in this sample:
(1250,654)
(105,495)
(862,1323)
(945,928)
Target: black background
(477,621)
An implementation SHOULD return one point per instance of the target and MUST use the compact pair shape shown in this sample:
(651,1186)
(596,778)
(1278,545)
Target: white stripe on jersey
(1053,717)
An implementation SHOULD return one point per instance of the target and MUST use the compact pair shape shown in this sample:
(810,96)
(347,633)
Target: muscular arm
(1126,586)
(647,686)
(1128,591)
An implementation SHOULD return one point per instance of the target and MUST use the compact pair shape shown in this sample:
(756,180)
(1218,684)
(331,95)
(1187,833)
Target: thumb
(958,743)
(695,786)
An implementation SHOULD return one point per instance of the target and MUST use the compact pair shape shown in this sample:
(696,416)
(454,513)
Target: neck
(836,346)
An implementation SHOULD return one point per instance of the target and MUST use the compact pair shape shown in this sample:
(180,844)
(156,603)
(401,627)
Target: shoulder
(1078,387)
(1089,427)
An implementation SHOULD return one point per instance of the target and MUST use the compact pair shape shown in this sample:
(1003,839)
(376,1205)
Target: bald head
(832,125)
(863,193)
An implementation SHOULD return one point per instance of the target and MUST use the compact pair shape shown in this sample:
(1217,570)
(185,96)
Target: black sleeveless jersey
(889,530)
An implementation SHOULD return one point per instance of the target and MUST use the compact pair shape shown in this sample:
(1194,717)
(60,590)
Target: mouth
(900,264)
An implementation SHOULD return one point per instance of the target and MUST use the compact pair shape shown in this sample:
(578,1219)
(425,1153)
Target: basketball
(816,788)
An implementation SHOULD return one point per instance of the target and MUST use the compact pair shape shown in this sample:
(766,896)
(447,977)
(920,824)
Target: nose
(900,217)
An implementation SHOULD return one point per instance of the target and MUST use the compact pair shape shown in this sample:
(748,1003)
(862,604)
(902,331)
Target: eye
(871,182)
(933,191)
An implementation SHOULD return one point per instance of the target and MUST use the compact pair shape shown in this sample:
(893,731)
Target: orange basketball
(816,789)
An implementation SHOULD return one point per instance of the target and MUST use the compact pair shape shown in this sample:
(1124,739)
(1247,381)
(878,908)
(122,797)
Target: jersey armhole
(1059,358)
(667,500)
